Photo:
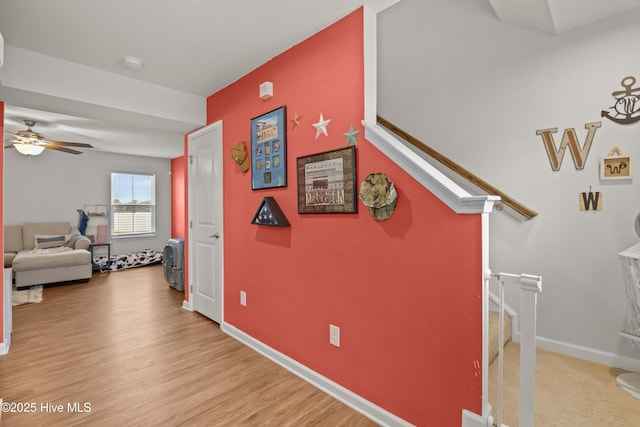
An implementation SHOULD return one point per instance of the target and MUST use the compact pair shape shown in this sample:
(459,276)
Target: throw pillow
(46,241)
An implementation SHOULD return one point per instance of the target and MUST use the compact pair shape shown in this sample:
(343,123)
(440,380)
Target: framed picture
(269,150)
(327,182)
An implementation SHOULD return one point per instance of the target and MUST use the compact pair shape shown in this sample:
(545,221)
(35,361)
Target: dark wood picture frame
(269,149)
(327,182)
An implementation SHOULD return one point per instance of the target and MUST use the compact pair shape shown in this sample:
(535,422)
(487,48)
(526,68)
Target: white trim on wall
(586,353)
(454,196)
(358,403)
(7,310)
(371,10)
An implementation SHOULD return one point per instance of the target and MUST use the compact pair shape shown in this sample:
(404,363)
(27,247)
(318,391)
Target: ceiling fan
(31,143)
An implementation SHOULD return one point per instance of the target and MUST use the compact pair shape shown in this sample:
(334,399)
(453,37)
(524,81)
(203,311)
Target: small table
(97,245)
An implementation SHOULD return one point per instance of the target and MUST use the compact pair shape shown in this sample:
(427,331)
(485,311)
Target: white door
(205,214)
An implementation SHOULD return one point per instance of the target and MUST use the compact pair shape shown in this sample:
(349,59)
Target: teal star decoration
(351,136)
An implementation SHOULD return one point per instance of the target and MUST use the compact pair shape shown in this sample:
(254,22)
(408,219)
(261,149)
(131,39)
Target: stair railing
(459,170)
(530,287)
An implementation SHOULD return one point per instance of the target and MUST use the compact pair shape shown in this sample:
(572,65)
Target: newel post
(530,287)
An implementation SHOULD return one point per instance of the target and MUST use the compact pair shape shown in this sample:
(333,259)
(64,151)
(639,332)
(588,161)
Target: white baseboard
(586,353)
(4,348)
(366,408)
(471,419)
(187,305)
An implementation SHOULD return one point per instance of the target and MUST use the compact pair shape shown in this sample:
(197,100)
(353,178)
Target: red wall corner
(405,292)
(178,197)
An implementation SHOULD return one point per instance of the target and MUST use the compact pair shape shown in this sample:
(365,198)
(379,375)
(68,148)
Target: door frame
(188,303)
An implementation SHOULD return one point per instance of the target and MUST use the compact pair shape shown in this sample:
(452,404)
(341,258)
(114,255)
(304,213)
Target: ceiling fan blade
(8,146)
(30,137)
(52,144)
(65,150)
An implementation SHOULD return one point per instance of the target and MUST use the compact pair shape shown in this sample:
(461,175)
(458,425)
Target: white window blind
(133,204)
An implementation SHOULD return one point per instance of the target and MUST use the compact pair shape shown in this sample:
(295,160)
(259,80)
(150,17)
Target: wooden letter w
(569,139)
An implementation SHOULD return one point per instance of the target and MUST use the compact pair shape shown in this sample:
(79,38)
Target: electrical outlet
(243,298)
(334,335)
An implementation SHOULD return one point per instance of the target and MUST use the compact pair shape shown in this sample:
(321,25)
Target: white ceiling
(558,16)
(191,46)
(195,46)
(63,58)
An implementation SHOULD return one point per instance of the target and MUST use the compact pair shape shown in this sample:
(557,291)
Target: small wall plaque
(590,201)
(615,165)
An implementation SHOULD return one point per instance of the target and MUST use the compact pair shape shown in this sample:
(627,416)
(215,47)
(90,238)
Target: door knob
(216,235)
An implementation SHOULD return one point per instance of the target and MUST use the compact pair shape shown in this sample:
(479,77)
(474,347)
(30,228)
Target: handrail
(478,182)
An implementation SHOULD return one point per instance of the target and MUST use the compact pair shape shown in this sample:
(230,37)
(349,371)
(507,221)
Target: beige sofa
(46,252)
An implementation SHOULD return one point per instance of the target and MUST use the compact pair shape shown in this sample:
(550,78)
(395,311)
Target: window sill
(134,236)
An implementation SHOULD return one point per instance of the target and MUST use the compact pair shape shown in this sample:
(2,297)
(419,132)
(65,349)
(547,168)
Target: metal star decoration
(321,126)
(296,121)
(351,135)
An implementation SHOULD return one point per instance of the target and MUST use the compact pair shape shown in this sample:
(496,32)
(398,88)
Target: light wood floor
(123,344)
(569,392)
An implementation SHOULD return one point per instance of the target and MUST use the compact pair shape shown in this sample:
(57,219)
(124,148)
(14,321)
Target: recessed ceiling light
(132,62)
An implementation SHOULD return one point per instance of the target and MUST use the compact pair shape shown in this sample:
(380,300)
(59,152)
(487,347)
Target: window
(133,204)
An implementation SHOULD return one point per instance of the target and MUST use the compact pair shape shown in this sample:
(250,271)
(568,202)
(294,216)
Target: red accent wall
(185,232)
(178,197)
(406,292)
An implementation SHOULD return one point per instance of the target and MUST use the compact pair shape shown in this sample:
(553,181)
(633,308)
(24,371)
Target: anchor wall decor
(626,109)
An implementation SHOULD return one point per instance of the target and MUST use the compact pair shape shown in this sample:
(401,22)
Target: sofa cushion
(13,238)
(30,229)
(45,241)
(48,258)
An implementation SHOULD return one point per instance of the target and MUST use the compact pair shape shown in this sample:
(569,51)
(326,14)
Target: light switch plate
(334,335)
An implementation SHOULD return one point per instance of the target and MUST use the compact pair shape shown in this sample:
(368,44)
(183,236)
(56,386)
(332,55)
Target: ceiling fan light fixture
(29,149)
(132,63)
(30,143)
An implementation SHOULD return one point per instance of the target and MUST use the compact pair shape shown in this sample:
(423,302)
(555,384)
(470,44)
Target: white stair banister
(530,286)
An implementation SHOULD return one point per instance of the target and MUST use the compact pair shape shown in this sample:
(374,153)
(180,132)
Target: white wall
(477,90)
(53,185)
